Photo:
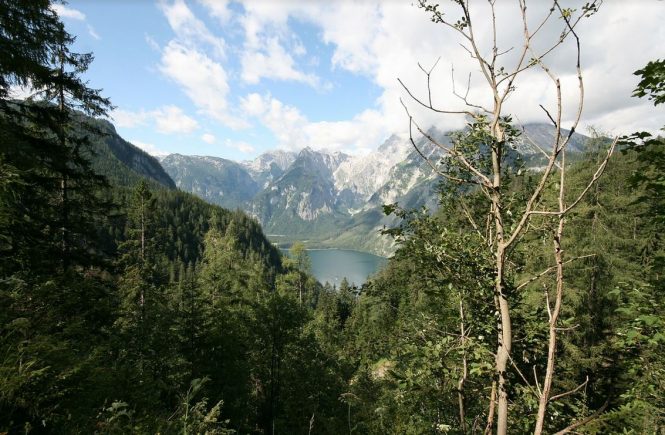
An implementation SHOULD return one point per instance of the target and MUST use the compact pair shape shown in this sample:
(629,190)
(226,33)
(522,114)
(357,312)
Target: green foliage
(652,83)
(196,418)
(171,315)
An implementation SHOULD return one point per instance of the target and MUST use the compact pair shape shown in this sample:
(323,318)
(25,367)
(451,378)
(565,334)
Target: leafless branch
(501,53)
(490,412)
(548,270)
(529,36)
(427,160)
(470,218)
(538,147)
(594,179)
(417,100)
(547,302)
(570,328)
(549,115)
(528,384)
(473,56)
(482,178)
(428,73)
(568,393)
(465,98)
(585,420)
(535,377)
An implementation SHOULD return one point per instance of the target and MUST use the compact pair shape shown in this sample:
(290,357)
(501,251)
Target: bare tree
(492,127)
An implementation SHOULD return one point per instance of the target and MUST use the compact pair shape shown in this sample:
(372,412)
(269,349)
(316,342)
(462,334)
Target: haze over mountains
(331,199)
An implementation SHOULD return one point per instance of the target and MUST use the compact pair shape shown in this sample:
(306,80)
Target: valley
(332,199)
(270,218)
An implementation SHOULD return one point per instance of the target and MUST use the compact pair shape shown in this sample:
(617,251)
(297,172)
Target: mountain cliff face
(269,166)
(362,176)
(333,199)
(303,201)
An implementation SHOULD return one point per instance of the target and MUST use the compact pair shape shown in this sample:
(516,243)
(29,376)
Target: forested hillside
(127,306)
(421,332)
(531,301)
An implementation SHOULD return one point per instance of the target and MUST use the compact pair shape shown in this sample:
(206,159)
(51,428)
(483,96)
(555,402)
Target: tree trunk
(505,334)
(64,187)
(504,345)
(554,314)
(462,380)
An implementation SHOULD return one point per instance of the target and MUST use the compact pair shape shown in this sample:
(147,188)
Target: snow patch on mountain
(282,159)
(364,174)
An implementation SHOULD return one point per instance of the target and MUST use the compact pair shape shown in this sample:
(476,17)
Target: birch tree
(477,158)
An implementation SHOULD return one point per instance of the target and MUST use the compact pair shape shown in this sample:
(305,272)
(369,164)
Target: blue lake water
(332,265)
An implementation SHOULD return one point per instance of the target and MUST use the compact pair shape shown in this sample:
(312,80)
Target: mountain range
(332,199)
(327,199)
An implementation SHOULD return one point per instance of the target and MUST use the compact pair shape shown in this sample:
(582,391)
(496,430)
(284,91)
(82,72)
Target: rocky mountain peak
(328,194)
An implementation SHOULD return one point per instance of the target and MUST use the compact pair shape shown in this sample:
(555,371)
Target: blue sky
(234,79)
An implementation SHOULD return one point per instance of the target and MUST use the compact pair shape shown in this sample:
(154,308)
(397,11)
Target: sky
(235,79)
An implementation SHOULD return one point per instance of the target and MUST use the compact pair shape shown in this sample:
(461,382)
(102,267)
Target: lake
(334,264)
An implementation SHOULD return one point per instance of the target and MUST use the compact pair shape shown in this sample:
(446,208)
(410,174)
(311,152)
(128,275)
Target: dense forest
(127,306)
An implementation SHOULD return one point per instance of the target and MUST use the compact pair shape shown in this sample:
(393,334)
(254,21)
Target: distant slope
(214,179)
(132,158)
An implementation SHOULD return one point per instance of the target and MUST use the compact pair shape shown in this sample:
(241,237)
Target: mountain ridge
(332,199)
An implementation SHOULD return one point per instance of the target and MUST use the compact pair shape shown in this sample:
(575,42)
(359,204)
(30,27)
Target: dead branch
(549,116)
(422,155)
(429,74)
(535,145)
(547,302)
(585,420)
(528,384)
(465,98)
(568,393)
(596,176)
(548,270)
(535,377)
(471,220)
(490,413)
(483,180)
(417,100)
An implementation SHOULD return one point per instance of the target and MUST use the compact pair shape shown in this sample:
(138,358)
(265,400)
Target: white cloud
(614,44)
(294,131)
(218,9)
(74,14)
(166,119)
(128,119)
(382,41)
(150,148)
(190,30)
(243,147)
(152,43)
(65,12)
(22,92)
(171,119)
(273,62)
(93,33)
(193,60)
(269,44)
(202,79)
(208,138)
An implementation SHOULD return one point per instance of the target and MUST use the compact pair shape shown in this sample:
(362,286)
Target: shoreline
(339,249)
